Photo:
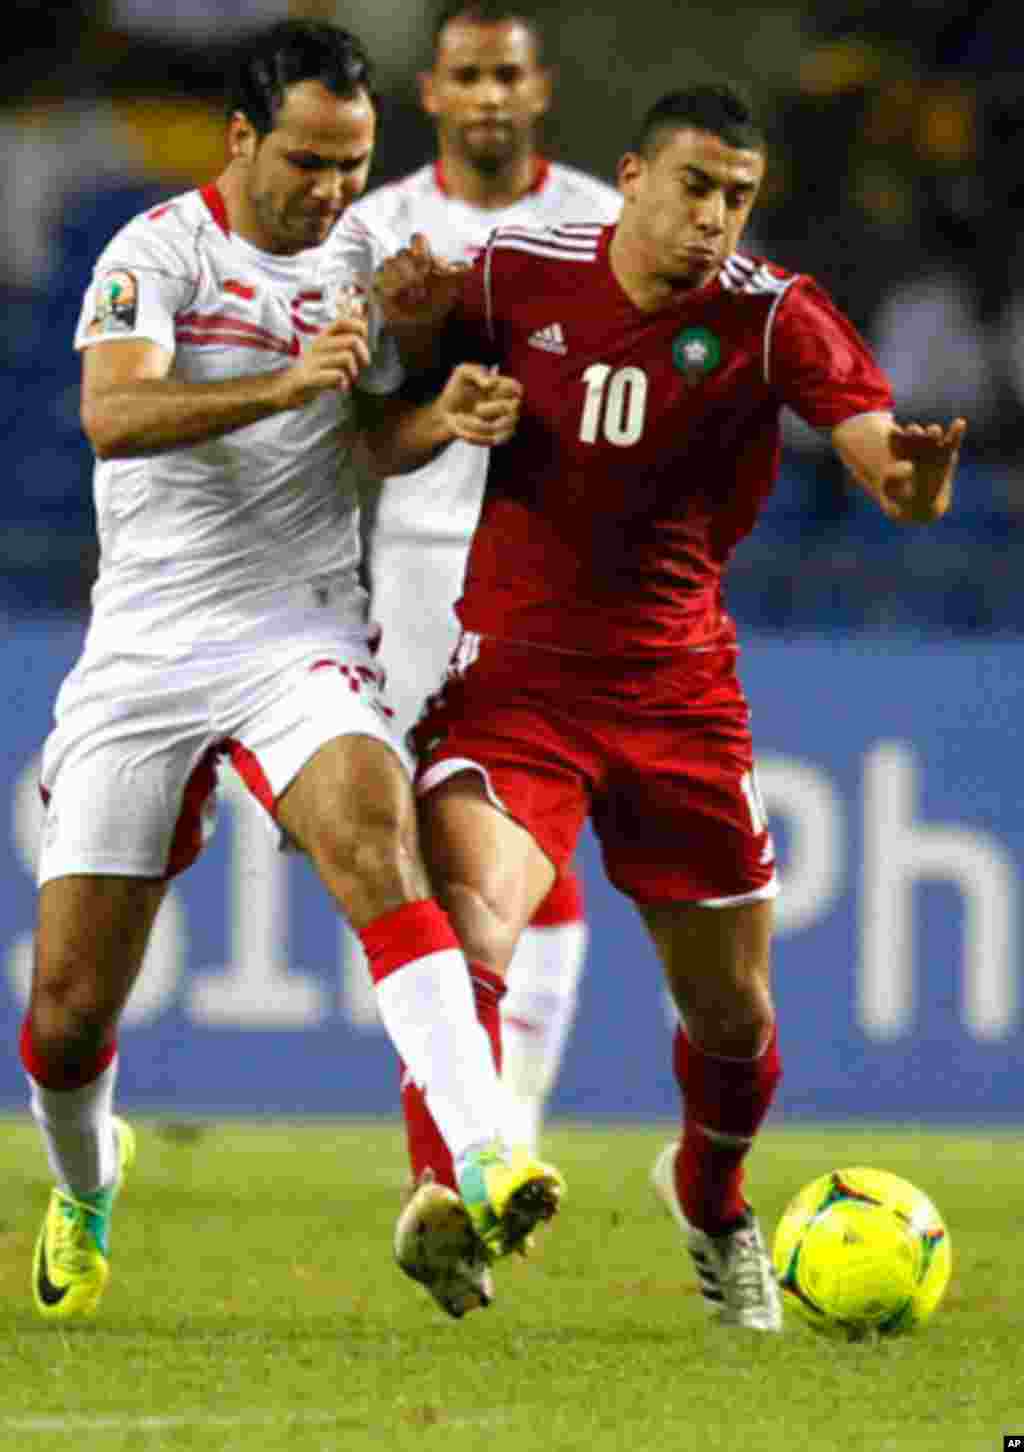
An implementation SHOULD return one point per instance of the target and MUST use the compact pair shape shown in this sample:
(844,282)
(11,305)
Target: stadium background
(883,667)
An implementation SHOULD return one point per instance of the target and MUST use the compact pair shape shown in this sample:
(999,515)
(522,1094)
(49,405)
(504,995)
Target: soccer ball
(861,1252)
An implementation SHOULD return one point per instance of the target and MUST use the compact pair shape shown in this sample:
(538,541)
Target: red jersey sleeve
(469,331)
(818,363)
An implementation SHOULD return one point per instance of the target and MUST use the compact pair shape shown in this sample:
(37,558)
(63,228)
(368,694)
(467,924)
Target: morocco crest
(696,352)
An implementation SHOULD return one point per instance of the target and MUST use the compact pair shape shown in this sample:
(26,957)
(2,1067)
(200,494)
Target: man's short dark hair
(717,109)
(490,12)
(293,51)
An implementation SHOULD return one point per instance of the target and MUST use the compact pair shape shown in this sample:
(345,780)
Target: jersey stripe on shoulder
(744,274)
(568,242)
(747,275)
(564,243)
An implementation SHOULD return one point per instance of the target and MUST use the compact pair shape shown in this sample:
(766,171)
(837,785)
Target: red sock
(405,934)
(73,1076)
(727,1098)
(488,991)
(427,1150)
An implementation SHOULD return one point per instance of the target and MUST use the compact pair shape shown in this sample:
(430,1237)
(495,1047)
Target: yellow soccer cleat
(507,1193)
(435,1244)
(71,1262)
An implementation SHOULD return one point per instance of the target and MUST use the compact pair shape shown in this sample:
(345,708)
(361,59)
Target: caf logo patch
(117,298)
(696,352)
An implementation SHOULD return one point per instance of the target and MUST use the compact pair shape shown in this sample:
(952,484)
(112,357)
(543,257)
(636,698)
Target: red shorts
(657,753)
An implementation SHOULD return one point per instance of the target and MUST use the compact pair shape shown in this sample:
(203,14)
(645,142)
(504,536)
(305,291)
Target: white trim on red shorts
(759,894)
(443,771)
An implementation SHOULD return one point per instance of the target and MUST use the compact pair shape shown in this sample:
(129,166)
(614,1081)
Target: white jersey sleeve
(359,244)
(141,282)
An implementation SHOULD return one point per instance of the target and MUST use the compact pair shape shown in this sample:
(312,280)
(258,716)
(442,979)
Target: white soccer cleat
(734,1270)
(435,1244)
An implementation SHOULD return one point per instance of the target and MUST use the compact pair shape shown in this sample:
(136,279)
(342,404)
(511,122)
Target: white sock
(77,1126)
(428,1010)
(536,1015)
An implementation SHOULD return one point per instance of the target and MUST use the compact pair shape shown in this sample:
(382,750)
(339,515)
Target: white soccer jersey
(442,500)
(205,542)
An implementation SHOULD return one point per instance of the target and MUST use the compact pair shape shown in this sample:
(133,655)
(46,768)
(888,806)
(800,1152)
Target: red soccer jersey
(648,441)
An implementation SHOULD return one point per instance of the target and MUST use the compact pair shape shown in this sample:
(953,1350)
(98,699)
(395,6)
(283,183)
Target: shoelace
(73,1242)
(746,1271)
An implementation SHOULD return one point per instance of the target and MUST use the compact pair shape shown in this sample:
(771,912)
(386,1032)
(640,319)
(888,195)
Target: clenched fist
(480,406)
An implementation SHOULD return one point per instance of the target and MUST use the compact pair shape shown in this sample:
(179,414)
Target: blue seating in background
(823,557)
(48,550)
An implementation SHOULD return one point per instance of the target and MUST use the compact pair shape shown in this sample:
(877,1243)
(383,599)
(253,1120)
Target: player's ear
(242,138)
(544,88)
(428,97)
(630,169)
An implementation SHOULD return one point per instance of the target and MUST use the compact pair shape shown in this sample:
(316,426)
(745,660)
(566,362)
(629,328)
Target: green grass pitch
(254,1307)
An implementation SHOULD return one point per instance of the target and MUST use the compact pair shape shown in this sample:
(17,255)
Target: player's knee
(731,1017)
(739,1029)
(361,852)
(70,1024)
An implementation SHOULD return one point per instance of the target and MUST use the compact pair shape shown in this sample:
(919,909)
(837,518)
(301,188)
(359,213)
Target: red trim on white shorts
(248,767)
(187,842)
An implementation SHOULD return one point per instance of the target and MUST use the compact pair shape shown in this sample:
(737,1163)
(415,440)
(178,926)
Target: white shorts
(130,771)
(415,583)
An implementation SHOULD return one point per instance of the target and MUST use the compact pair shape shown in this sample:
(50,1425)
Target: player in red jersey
(596,674)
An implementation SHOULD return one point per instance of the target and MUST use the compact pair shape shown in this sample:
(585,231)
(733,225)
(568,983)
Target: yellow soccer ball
(861,1252)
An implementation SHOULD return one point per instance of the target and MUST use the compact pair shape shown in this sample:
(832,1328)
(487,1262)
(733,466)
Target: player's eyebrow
(696,173)
(313,161)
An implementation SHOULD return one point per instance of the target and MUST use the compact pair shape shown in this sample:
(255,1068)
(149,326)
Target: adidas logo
(550,339)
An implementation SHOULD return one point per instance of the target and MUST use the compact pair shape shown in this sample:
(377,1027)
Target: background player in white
(487,90)
(223,395)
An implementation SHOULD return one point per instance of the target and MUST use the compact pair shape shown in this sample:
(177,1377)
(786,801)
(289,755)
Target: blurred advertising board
(890,771)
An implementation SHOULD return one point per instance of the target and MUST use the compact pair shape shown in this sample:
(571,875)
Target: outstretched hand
(918,486)
(415,288)
(480,406)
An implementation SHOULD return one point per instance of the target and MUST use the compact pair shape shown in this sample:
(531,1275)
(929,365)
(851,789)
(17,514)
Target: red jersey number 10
(615,404)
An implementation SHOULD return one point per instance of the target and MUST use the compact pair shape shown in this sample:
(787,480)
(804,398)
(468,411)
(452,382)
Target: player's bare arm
(415,291)
(132,405)
(908,469)
(475,405)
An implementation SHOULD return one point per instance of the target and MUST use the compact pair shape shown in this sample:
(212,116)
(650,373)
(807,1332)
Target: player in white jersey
(486,91)
(223,394)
